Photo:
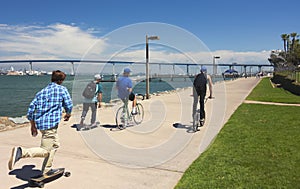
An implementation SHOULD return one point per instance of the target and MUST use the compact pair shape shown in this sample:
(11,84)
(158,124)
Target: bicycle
(196,121)
(123,115)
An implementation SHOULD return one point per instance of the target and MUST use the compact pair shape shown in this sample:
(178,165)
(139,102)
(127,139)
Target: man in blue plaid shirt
(44,114)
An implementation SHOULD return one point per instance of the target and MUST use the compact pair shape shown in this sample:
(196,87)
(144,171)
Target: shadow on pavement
(111,127)
(115,128)
(189,128)
(108,126)
(25,173)
(84,128)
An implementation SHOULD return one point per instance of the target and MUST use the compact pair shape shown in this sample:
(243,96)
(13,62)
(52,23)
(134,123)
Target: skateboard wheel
(40,184)
(36,184)
(67,174)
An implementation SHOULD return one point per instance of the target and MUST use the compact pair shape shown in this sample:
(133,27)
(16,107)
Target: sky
(237,31)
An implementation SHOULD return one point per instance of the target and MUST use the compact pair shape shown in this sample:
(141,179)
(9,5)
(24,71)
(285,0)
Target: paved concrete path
(154,154)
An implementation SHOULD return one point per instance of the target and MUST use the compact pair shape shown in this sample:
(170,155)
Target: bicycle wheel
(138,118)
(120,122)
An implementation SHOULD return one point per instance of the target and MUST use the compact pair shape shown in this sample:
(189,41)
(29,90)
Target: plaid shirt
(46,108)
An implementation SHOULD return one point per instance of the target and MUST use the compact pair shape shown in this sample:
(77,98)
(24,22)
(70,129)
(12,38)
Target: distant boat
(30,73)
(13,72)
(3,72)
(43,73)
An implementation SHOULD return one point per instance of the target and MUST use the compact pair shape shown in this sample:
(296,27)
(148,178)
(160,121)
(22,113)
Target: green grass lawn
(265,92)
(259,147)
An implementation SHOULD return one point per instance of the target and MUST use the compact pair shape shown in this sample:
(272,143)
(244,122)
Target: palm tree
(293,35)
(285,38)
(297,43)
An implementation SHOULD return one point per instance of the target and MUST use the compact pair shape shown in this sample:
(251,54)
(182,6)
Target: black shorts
(131,96)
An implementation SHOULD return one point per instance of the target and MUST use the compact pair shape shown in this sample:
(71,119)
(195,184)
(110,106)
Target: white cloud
(250,57)
(226,56)
(57,41)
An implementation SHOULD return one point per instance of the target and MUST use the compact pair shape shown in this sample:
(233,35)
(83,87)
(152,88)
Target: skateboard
(41,180)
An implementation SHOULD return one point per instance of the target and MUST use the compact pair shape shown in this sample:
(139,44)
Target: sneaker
(202,122)
(93,124)
(134,112)
(16,155)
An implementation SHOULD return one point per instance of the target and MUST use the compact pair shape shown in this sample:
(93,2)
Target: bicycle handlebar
(210,97)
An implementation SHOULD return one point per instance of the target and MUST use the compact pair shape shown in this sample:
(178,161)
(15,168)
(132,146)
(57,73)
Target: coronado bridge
(132,63)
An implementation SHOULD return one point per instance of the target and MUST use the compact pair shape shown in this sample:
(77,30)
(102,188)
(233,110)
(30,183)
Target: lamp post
(147,63)
(214,64)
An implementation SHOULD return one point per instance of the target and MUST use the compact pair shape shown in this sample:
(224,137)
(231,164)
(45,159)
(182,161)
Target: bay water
(16,92)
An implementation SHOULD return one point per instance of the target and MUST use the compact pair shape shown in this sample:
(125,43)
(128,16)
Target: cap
(127,70)
(97,76)
(203,69)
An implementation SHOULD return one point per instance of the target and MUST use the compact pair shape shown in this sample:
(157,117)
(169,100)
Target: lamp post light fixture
(214,64)
(147,63)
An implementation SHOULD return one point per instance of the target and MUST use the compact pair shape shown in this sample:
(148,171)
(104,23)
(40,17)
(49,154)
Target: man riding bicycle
(199,92)
(125,92)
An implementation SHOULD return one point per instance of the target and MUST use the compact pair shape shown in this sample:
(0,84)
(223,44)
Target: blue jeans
(86,106)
